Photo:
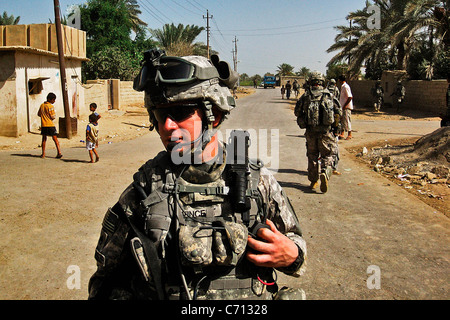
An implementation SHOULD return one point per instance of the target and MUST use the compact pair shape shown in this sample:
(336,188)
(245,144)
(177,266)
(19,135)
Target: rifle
(237,158)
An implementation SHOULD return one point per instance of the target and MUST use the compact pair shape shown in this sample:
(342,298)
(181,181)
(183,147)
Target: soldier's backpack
(320,110)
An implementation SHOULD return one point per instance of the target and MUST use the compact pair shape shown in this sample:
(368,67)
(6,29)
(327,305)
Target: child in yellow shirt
(47,114)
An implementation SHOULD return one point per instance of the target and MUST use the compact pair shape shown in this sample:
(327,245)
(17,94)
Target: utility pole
(235,57)
(207,29)
(235,53)
(62,68)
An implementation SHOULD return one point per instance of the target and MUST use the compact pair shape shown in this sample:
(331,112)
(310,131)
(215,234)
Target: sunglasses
(176,113)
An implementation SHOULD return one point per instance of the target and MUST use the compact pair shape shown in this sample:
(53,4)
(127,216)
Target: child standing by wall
(92,137)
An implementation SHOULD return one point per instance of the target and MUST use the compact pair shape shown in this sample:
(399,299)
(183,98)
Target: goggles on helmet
(172,70)
(176,113)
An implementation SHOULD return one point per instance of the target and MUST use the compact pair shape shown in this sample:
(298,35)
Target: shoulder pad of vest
(144,175)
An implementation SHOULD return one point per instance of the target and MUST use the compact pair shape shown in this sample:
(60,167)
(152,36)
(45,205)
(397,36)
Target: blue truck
(269,81)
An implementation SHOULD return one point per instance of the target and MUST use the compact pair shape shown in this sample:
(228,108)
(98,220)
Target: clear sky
(268,32)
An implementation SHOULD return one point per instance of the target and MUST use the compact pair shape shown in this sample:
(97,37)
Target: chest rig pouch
(211,231)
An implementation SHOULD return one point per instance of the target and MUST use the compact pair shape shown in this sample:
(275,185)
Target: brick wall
(130,97)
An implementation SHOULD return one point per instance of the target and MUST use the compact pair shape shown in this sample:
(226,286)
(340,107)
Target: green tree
(285,69)
(5,19)
(178,40)
(304,72)
(111,63)
(108,25)
(336,69)
(405,25)
(426,23)
(359,45)
(134,12)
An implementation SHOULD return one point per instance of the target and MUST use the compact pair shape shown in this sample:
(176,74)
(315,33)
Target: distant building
(29,70)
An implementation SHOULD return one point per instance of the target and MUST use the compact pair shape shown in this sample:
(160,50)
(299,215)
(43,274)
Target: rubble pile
(418,166)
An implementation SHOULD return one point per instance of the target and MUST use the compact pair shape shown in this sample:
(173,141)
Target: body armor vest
(199,219)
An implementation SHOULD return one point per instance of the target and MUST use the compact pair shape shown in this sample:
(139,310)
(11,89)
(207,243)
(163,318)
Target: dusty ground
(35,252)
(122,125)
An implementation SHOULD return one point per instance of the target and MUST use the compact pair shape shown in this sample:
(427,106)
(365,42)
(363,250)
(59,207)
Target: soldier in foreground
(318,111)
(200,220)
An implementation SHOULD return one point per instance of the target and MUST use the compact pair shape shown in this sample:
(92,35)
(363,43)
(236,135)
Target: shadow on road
(294,171)
(296,185)
(27,155)
(76,160)
(394,133)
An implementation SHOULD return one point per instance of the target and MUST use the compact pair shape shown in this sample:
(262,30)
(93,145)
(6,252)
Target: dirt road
(52,212)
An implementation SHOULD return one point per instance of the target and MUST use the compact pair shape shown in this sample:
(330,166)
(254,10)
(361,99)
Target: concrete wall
(43,37)
(97,91)
(130,97)
(29,53)
(427,96)
(15,90)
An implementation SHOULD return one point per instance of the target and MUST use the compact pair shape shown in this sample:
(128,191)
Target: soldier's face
(175,131)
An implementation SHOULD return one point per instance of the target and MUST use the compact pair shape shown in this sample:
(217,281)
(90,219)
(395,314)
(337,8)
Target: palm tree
(359,45)
(405,25)
(304,72)
(8,20)
(133,11)
(177,40)
(426,19)
(285,69)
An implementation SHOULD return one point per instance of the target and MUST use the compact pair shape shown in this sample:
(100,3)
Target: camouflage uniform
(321,142)
(175,233)
(334,90)
(399,94)
(378,93)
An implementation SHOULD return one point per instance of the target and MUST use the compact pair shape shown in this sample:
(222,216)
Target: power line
(159,11)
(199,4)
(287,27)
(280,34)
(184,7)
(195,6)
(152,14)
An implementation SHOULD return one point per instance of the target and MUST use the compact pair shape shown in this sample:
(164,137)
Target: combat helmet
(316,77)
(168,79)
(316,82)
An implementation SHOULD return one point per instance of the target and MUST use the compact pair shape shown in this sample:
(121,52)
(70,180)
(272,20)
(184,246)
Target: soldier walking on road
(200,220)
(332,87)
(399,95)
(378,94)
(318,111)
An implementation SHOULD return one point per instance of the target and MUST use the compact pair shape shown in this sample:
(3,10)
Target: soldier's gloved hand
(275,251)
